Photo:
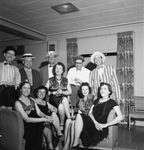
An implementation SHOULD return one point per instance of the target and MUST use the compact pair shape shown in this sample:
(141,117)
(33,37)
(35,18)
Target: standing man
(46,71)
(76,76)
(9,78)
(103,73)
(27,73)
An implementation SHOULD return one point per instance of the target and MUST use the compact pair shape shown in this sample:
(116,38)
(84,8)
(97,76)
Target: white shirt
(9,75)
(50,71)
(82,74)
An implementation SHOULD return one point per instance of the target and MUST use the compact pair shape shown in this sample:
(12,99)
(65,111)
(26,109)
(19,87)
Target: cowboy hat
(51,53)
(27,55)
(97,53)
(10,48)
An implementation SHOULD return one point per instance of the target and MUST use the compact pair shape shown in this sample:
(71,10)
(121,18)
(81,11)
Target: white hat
(51,53)
(27,55)
(95,54)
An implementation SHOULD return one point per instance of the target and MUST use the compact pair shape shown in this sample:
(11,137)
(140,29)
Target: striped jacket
(108,76)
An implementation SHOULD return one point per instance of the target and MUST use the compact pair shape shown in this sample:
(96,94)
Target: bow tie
(6,63)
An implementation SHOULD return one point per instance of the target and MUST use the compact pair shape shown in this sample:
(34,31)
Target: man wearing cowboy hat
(46,71)
(76,76)
(27,73)
(103,73)
(9,78)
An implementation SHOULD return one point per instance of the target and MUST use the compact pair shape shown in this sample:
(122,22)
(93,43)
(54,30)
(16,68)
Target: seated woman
(84,104)
(93,128)
(59,90)
(49,129)
(32,116)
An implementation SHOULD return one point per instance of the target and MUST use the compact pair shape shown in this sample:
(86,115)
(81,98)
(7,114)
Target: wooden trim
(106,54)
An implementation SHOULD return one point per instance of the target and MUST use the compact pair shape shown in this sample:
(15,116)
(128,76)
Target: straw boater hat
(27,55)
(97,53)
(51,53)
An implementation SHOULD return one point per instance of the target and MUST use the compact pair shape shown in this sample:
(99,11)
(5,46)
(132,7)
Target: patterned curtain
(125,71)
(72,51)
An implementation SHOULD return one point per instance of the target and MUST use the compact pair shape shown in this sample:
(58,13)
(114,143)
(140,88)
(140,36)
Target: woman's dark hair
(80,94)
(109,88)
(58,64)
(40,88)
(20,87)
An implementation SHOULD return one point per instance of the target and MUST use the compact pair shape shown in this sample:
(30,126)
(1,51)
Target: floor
(131,139)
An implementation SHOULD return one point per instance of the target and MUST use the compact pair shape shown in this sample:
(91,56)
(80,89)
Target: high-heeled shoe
(75,147)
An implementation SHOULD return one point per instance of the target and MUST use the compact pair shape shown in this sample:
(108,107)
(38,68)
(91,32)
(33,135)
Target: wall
(108,36)
(104,40)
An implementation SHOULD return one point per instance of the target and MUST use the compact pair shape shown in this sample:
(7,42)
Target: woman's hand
(100,126)
(59,91)
(49,119)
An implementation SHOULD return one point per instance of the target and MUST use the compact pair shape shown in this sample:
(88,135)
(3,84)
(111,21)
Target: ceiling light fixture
(65,8)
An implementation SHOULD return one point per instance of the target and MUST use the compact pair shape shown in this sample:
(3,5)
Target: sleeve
(17,77)
(115,83)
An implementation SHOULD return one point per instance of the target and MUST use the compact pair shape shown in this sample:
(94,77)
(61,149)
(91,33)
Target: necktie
(29,74)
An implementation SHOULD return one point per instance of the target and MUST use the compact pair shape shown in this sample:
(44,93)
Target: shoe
(75,147)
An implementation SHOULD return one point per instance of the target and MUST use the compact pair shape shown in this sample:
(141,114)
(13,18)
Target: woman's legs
(56,123)
(66,106)
(67,134)
(48,137)
(61,113)
(78,126)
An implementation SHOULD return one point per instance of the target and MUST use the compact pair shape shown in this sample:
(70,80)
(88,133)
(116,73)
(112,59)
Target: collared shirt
(82,74)
(50,71)
(9,75)
(29,75)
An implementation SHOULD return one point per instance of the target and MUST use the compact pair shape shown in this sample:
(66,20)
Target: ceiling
(33,19)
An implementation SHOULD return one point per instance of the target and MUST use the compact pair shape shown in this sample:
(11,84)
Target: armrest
(12,130)
(113,130)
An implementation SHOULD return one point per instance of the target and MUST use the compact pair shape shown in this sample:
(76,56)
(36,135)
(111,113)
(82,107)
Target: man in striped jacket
(103,73)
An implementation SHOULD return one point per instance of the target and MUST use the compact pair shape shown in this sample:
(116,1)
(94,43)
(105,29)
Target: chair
(108,143)
(138,113)
(11,130)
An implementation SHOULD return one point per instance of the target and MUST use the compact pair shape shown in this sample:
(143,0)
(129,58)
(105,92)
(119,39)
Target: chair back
(11,130)
(139,103)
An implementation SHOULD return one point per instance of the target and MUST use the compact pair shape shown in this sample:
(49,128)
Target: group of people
(44,97)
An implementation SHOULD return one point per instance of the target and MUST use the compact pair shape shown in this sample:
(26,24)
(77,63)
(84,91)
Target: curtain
(72,51)
(125,71)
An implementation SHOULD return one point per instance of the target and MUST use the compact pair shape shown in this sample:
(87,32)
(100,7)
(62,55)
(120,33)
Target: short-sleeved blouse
(90,136)
(84,106)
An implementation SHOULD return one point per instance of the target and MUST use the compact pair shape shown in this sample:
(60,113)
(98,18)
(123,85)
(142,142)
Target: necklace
(58,79)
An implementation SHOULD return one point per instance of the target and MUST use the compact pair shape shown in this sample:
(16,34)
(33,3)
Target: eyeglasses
(78,62)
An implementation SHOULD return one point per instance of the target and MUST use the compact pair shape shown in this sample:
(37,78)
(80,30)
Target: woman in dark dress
(51,131)
(59,90)
(93,128)
(32,116)
(84,104)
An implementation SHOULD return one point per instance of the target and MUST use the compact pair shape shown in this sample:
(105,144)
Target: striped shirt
(107,75)
(9,75)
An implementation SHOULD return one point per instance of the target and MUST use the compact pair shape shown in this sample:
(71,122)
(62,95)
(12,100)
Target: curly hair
(80,94)
(109,88)
(58,64)
(21,85)
(42,87)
